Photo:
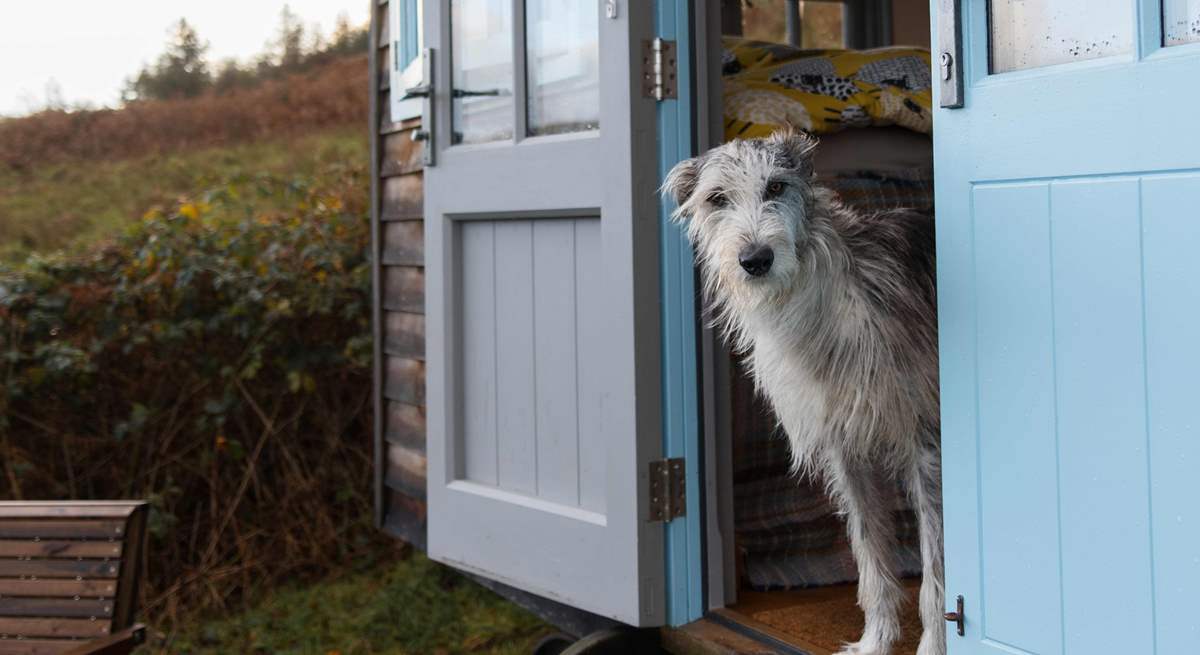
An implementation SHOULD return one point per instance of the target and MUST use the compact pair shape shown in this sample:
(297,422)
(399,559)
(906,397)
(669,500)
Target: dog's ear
(681,181)
(796,150)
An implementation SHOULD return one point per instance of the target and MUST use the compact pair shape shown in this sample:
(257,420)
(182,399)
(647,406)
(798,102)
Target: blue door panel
(1170,232)
(1018,515)
(1086,295)
(1069,306)
(1099,376)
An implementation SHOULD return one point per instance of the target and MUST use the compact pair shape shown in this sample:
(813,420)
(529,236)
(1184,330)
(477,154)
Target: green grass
(73,204)
(411,607)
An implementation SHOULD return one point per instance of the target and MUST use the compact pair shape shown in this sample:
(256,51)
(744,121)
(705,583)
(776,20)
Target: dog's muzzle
(756,259)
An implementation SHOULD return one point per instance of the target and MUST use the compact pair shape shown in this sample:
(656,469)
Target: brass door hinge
(659,69)
(668,489)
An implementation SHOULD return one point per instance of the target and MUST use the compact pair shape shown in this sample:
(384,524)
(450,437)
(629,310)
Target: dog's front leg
(925,490)
(862,498)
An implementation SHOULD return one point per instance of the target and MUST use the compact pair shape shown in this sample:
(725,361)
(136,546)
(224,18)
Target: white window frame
(411,74)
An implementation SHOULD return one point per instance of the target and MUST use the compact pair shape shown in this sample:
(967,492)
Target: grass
(410,607)
(74,204)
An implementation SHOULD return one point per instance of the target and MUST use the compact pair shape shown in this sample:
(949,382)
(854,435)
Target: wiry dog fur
(841,337)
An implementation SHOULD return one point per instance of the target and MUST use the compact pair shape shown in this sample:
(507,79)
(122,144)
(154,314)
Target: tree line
(183,70)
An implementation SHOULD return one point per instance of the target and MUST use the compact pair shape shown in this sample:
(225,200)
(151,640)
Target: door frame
(700,557)
(681,407)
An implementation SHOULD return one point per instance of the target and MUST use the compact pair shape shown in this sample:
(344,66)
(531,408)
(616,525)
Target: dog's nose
(756,259)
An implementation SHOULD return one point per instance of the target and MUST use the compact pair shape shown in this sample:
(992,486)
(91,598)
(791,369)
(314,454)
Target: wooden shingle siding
(404,335)
(383,71)
(400,324)
(403,197)
(406,470)
(406,516)
(405,425)
(403,243)
(383,29)
(404,289)
(405,381)
(401,154)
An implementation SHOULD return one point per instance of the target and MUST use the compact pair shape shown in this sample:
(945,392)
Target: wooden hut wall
(399,313)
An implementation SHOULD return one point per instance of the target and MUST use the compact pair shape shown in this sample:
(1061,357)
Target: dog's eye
(774,189)
(717,199)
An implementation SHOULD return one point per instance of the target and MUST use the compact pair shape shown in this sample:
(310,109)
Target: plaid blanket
(788,533)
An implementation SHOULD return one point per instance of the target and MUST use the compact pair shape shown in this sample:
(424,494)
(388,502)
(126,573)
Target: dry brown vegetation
(332,95)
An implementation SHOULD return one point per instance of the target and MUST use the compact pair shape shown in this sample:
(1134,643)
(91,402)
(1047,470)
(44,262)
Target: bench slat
(59,568)
(62,529)
(54,627)
(73,509)
(61,549)
(58,588)
(56,607)
(37,646)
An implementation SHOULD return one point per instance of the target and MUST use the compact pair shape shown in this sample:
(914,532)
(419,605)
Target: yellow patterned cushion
(770,85)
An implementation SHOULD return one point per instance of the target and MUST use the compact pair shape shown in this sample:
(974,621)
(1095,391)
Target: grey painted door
(541,288)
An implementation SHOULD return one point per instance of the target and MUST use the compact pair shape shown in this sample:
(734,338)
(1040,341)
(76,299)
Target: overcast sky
(89,47)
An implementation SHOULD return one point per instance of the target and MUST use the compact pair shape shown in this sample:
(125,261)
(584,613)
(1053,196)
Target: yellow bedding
(769,85)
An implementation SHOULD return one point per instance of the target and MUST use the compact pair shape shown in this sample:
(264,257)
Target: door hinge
(659,71)
(957,616)
(668,489)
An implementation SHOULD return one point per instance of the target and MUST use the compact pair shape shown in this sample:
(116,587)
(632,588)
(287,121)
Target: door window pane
(562,45)
(481,58)
(1181,21)
(1032,33)
(821,23)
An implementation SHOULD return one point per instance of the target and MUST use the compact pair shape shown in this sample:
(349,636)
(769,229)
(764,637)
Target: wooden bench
(69,575)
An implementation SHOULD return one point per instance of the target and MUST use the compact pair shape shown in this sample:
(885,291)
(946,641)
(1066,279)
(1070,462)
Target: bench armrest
(120,643)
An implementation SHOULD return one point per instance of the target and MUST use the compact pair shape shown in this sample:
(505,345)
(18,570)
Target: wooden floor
(820,620)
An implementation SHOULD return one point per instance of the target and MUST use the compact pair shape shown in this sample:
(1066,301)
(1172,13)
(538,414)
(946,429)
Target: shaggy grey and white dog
(836,314)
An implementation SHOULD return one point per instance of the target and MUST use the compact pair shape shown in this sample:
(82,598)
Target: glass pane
(481,58)
(1181,21)
(562,45)
(820,23)
(1032,33)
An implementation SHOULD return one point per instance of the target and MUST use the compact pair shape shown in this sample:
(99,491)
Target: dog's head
(744,205)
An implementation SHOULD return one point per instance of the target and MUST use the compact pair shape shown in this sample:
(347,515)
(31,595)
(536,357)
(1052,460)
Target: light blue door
(1068,200)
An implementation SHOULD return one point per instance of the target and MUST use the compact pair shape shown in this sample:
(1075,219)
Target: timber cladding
(398,242)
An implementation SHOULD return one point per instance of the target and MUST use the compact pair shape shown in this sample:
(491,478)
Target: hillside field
(158,262)
(73,204)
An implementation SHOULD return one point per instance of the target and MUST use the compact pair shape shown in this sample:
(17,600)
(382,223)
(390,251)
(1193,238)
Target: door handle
(420,91)
(950,78)
(464,93)
(425,90)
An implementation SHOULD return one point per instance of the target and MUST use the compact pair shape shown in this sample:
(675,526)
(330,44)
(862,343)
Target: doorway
(788,570)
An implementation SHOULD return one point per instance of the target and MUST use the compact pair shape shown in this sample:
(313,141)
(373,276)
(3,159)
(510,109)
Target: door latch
(947,65)
(425,90)
(950,81)
(957,616)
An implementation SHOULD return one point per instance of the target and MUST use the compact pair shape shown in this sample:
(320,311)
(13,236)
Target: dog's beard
(735,301)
